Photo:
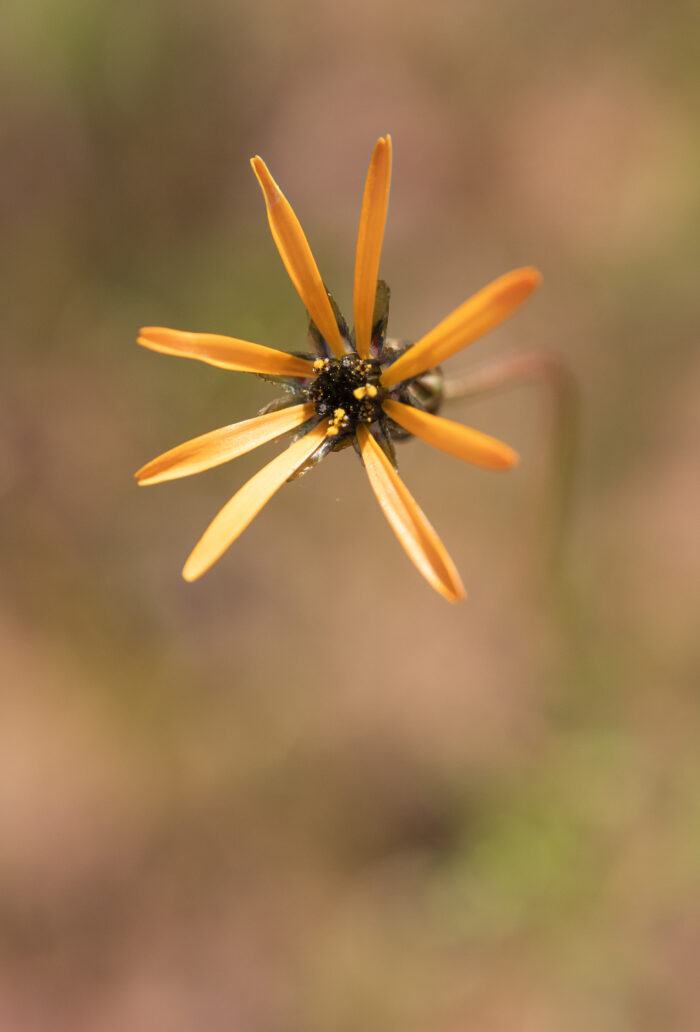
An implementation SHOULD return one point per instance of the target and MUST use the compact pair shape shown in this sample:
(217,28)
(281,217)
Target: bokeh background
(305,793)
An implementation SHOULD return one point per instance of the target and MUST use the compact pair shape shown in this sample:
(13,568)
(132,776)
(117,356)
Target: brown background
(305,793)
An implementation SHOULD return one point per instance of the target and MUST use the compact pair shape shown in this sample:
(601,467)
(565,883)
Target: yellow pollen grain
(359,393)
(339,413)
(319,365)
(331,431)
(371,390)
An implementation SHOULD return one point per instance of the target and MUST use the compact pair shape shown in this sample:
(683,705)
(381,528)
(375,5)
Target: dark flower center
(347,391)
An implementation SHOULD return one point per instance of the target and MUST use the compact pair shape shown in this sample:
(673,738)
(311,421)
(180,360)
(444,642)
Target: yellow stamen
(297,257)
(319,365)
(359,393)
(472,320)
(371,390)
(375,203)
(331,431)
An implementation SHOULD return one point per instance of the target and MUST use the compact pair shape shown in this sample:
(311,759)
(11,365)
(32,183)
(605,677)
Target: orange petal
(225,352)
(222,445)
(248,501)
(418,539)
(297,257)
(472,320)
(461,441)
(375,203)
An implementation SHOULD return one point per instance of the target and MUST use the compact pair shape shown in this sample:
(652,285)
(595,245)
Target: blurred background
(305,793)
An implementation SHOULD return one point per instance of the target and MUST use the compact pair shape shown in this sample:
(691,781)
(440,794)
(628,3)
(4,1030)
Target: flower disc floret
(346,391)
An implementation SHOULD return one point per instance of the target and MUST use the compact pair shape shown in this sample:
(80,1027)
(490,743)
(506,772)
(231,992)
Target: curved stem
(554,374)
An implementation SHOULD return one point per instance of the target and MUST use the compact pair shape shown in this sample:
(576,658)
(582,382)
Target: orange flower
(361,389)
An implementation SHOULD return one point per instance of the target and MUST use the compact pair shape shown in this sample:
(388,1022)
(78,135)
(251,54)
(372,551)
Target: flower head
(361,389)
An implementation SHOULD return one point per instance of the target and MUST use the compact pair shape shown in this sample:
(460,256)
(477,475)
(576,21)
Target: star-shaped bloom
(361,389)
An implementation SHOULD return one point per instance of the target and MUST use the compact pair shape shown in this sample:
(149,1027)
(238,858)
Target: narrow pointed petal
(248,501)
(416,536)
(225,352)
(472,320)
(461,441)
(297,257)
(222,445)
(375,203)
